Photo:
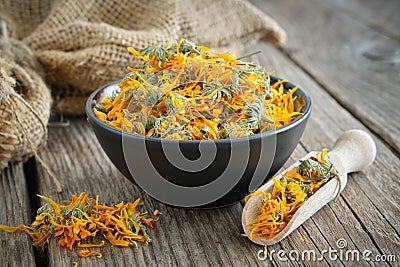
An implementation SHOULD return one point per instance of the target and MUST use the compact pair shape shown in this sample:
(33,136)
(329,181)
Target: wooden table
(346,54)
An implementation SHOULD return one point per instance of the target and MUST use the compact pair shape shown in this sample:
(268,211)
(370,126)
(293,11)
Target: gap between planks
(31,176)
(376,135)
(328,56)
(382,18)
(15,248)
(73,146)
(302,144)
(343,104)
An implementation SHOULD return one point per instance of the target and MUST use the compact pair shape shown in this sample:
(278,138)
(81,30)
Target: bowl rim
(307,110)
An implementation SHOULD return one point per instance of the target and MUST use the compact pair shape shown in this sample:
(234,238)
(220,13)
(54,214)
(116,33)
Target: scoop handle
(356,150)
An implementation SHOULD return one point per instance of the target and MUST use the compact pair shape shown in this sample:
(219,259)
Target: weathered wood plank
(177,242)
(185,246)
(323,231)
(15,248)
(306,237)
(382,16)
(184,237)
(365,215)
(180,238)
(356,64)
(187,237)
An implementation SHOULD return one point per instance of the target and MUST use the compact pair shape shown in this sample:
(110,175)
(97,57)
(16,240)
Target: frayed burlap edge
(25,102)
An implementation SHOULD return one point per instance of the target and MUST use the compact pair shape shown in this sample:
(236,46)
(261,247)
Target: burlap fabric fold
(25,101)
(82,45)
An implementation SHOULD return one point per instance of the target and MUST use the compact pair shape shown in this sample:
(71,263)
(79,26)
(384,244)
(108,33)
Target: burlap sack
(81,44)
(24,101)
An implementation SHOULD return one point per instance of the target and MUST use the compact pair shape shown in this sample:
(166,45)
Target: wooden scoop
(353,151)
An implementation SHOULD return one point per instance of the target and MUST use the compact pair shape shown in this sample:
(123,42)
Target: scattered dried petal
(85,253)
(84,216)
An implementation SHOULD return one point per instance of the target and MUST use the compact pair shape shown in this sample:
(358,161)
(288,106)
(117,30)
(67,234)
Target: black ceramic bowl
(126,152)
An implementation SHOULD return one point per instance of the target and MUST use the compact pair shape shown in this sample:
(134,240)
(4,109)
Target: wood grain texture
(372,193)
(15,248)
(306,237)
(358,65)
(182,237)
(353,151)
(327,40)
(197,237)
(382,16)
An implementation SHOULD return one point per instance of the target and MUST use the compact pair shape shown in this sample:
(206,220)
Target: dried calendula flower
(290,193)
(83,217)
(183,91)
(156,212)
(85,253)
